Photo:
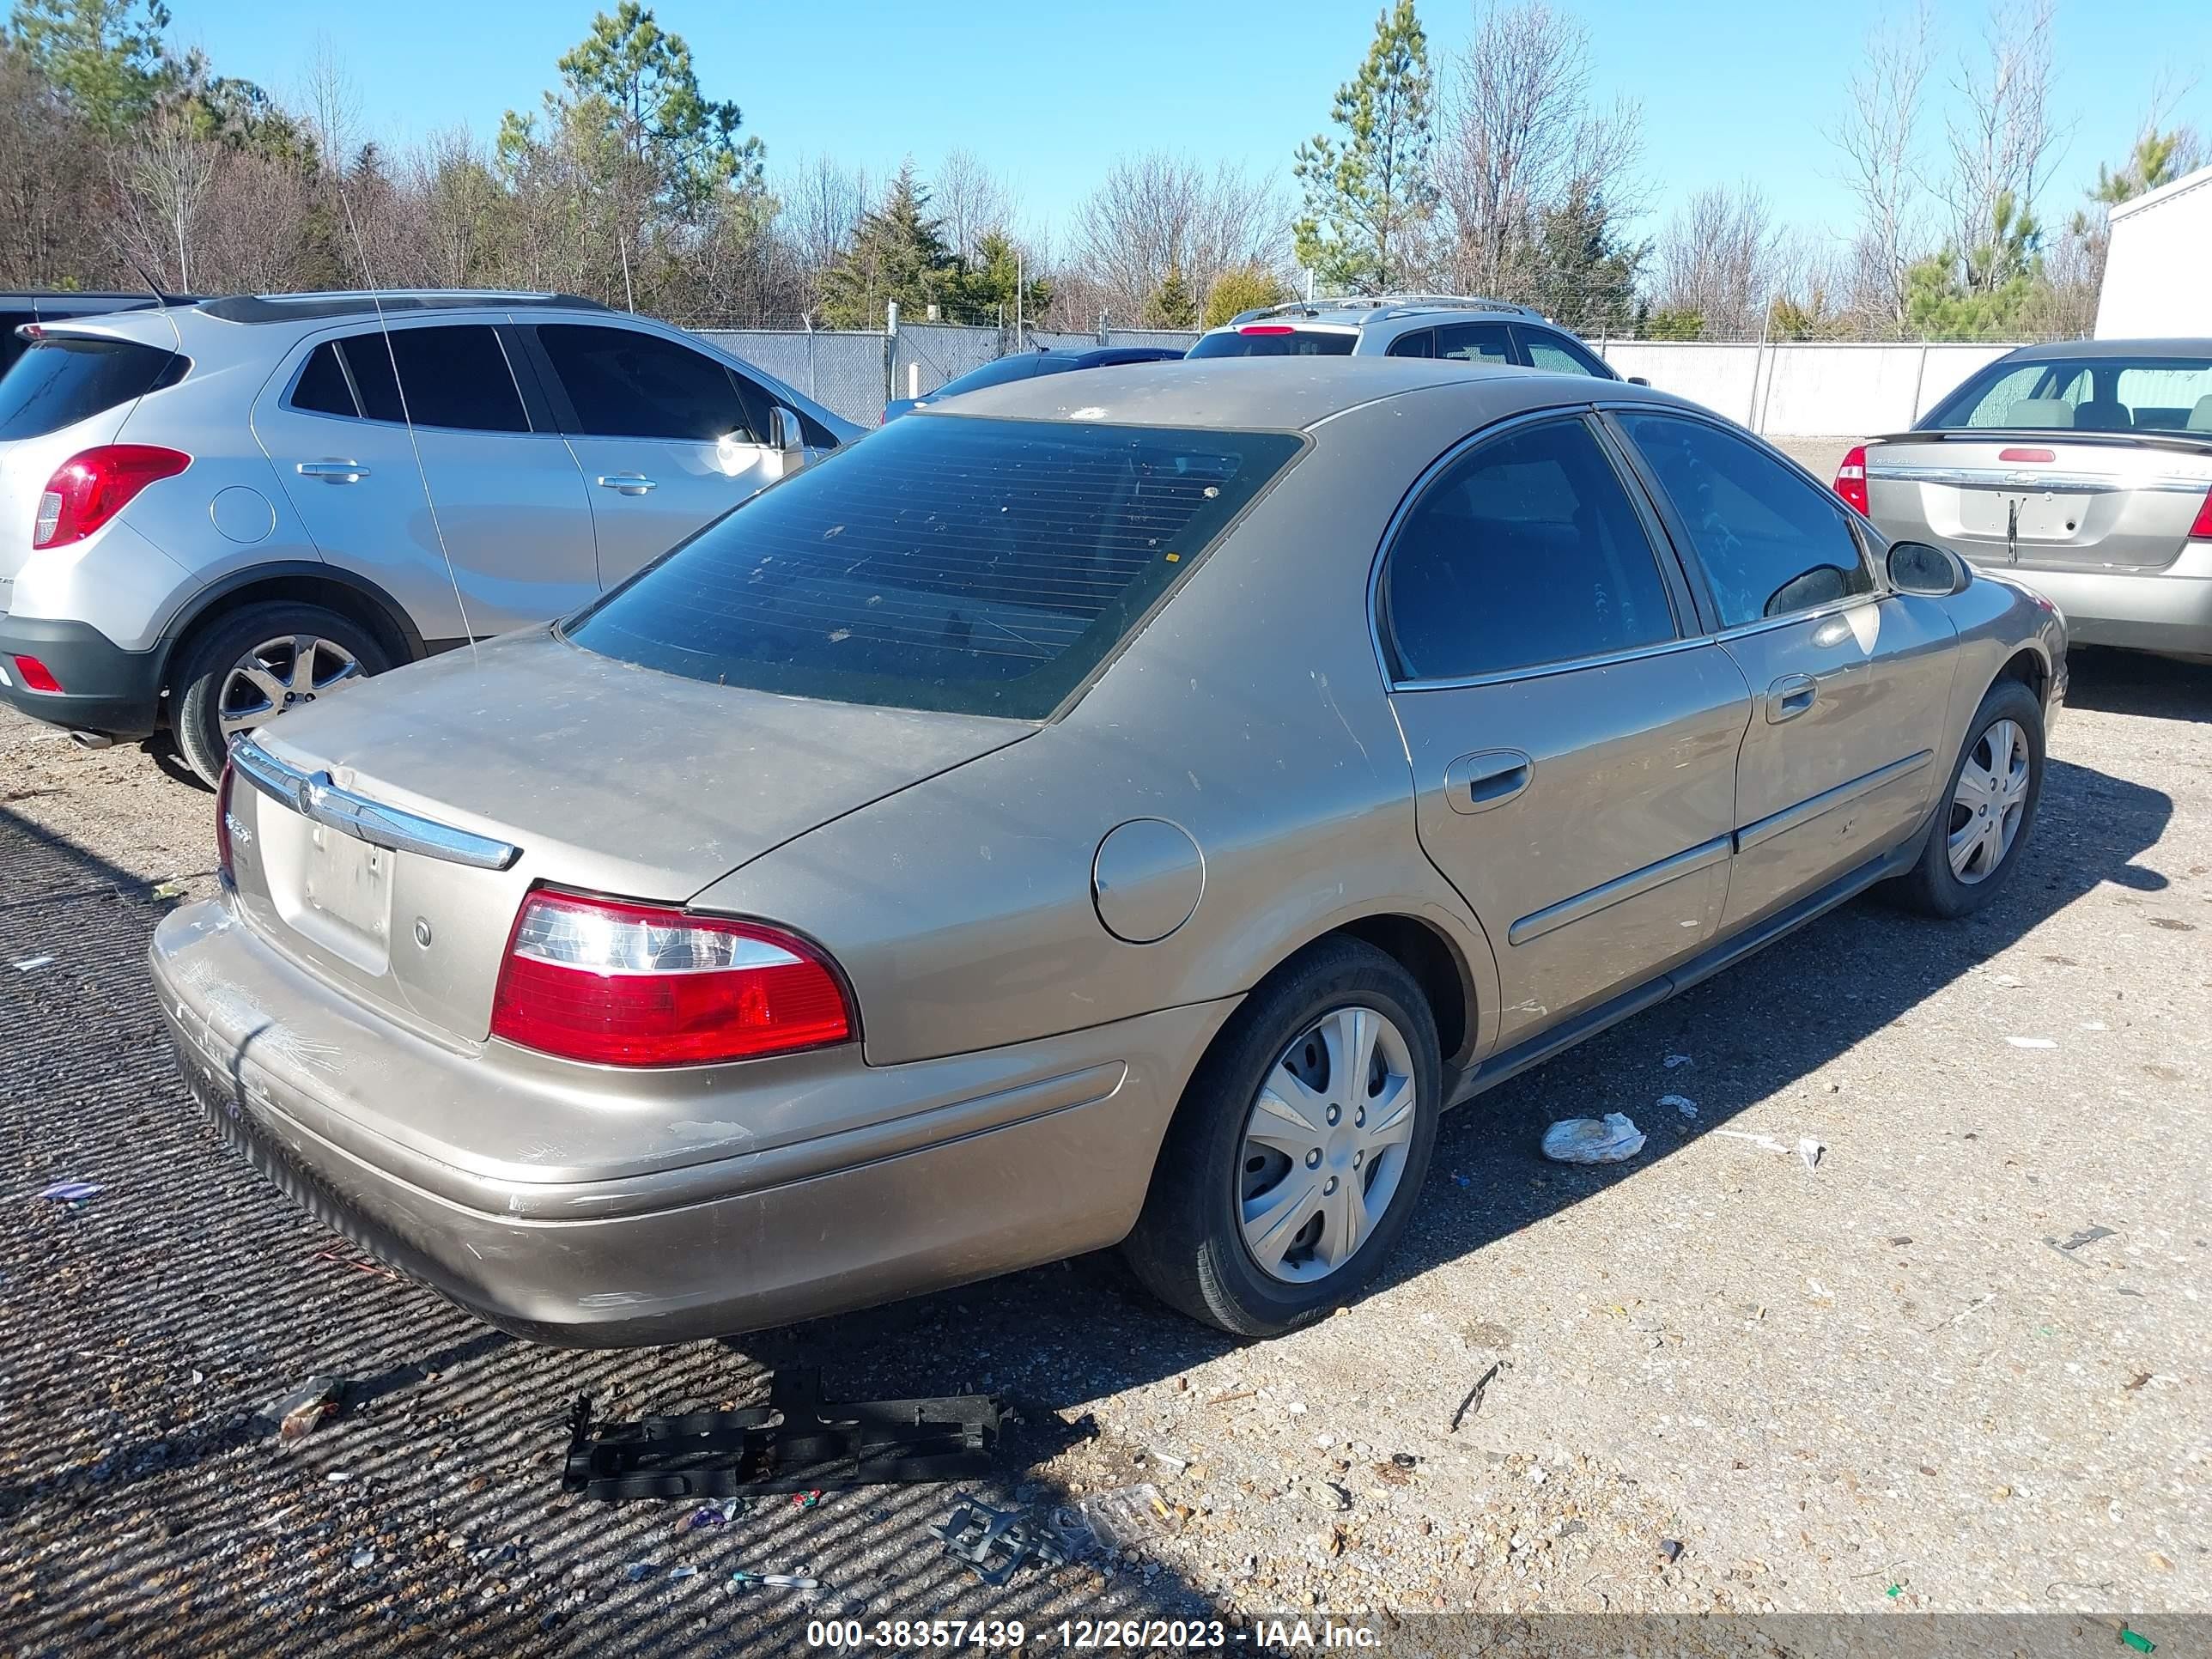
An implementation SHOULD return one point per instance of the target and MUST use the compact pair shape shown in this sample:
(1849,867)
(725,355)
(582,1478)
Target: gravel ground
(1959,1366)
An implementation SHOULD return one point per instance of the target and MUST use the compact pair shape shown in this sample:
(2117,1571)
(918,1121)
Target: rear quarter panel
(1251,712)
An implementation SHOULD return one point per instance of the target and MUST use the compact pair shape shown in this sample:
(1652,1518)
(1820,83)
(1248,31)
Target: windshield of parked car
(2084,394)
(1275,340)
(978,567)
(63,379)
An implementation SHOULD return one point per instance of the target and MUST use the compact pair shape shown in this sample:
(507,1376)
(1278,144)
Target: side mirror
(1639,380)
(785,435)
(1917,567)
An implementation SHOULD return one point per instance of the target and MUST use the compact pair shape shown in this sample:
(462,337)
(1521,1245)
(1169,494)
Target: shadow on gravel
(2130,682)
(142,1504)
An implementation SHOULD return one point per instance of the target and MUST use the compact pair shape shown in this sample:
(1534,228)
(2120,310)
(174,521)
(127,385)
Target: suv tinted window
(63,379)
(1557,356)
(984,567)
(1770,542)
(322,386)
(1421,343)
(625,384)
(1277,341)
(456,376)
(1526,550)
(1476,343)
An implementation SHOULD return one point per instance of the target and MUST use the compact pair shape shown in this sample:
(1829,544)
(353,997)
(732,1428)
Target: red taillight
(1850,478)
(89,488)
(35,675)
(1266,328)
(223,827)
(2028,454)
(2200,531)
(626,984)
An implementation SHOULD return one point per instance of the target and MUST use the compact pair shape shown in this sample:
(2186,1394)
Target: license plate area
(331,890)
(2030,516)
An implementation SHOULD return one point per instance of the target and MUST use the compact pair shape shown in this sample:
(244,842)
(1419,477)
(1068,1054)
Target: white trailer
(2158,272)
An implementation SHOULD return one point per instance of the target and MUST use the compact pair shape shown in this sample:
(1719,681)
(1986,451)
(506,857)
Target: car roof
(1265,394)
(2169,347)
(308,308)
(1363,311)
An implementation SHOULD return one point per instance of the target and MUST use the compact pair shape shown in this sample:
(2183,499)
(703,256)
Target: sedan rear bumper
(2167,610)
(1052,1160)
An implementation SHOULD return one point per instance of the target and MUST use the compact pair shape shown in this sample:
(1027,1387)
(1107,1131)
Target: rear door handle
(333,472)
(626,484)
(1790,696)
(1476,783)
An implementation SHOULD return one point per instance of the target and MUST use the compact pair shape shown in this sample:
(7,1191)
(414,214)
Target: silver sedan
(1126,808)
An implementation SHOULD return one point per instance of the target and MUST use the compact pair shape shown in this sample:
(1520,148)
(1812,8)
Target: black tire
(208,660)
(1189,1245)
(1930,886)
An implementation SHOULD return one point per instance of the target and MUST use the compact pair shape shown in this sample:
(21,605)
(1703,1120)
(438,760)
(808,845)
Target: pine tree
(1369,195)
(1173,306)
(1244,288)
(898,253)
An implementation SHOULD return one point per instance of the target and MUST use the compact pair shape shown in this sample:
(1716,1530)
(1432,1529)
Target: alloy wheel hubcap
(1325,1144)
(279,675)
(1991,803)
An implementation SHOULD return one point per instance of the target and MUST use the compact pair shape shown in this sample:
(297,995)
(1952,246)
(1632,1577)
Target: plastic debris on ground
(995,1544)
(1682,1103)
(798,1444)
(73,1192)
(716,1515)
(1673,1060)
(744,1580)
(30,964)
(304,1410)
(2031,1042)
(1809,1150)
(1472,1403)
(2137,1640)
(1123,1518)
(1613,1140)
(170,889)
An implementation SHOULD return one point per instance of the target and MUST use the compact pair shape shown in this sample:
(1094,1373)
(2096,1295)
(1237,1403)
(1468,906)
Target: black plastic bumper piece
(105,688)
(798,1443)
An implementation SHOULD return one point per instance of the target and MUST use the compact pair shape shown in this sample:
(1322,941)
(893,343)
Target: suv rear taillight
(1266,328)
(623,984)
(1850,478)
(93,486)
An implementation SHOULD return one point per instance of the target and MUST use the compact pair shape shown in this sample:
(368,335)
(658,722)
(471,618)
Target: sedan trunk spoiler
(2186,443)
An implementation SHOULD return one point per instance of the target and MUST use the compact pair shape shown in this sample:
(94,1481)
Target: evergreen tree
(1242,287)
(104,56)
(1586,271)
(1369,194)
(639,80)
(1173,306)
(898,253)
(983,289)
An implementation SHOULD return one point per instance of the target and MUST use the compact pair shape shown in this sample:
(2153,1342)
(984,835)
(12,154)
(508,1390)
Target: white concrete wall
(1807,389)
(2158,273)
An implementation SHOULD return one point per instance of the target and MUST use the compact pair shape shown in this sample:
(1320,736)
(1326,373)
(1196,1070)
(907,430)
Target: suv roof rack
(297,307)
(1389,306)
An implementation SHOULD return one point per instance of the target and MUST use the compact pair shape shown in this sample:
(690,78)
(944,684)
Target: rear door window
(65,378)
(322,387)
(624,383)
(1771,542)
(980,567)
(455,374)
(1421,343)
(1276,340)
(1476,343)
(1527,550)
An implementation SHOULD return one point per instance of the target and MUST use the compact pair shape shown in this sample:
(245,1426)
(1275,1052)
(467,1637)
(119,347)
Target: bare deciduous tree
(1719,259)
(1520,136)
(1159,210)
(162,176)
(1879,137)
(2001,140)
(970,201)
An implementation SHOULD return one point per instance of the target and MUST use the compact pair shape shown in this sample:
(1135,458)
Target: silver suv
(211,513)
(1490,331)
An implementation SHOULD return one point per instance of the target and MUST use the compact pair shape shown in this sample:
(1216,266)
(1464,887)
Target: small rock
(1671,1548)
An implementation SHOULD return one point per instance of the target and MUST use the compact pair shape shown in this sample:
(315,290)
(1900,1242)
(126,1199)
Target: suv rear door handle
(333,472)
(626,484)
(1790,696)
(1475,783)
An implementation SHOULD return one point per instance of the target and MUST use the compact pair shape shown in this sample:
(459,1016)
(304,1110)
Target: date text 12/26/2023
(1086,1635)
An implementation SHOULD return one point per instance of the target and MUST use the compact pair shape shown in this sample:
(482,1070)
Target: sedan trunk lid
(2042,499)
(584,772)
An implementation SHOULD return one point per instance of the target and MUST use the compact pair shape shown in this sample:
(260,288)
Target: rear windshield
(993,374)
(979,567)
(63,379)
(1275,340)
(2084,394)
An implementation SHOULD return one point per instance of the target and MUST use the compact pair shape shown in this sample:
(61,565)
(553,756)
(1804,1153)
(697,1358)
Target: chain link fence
(855,372)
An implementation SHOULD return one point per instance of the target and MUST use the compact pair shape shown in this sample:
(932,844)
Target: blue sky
(1730,89)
